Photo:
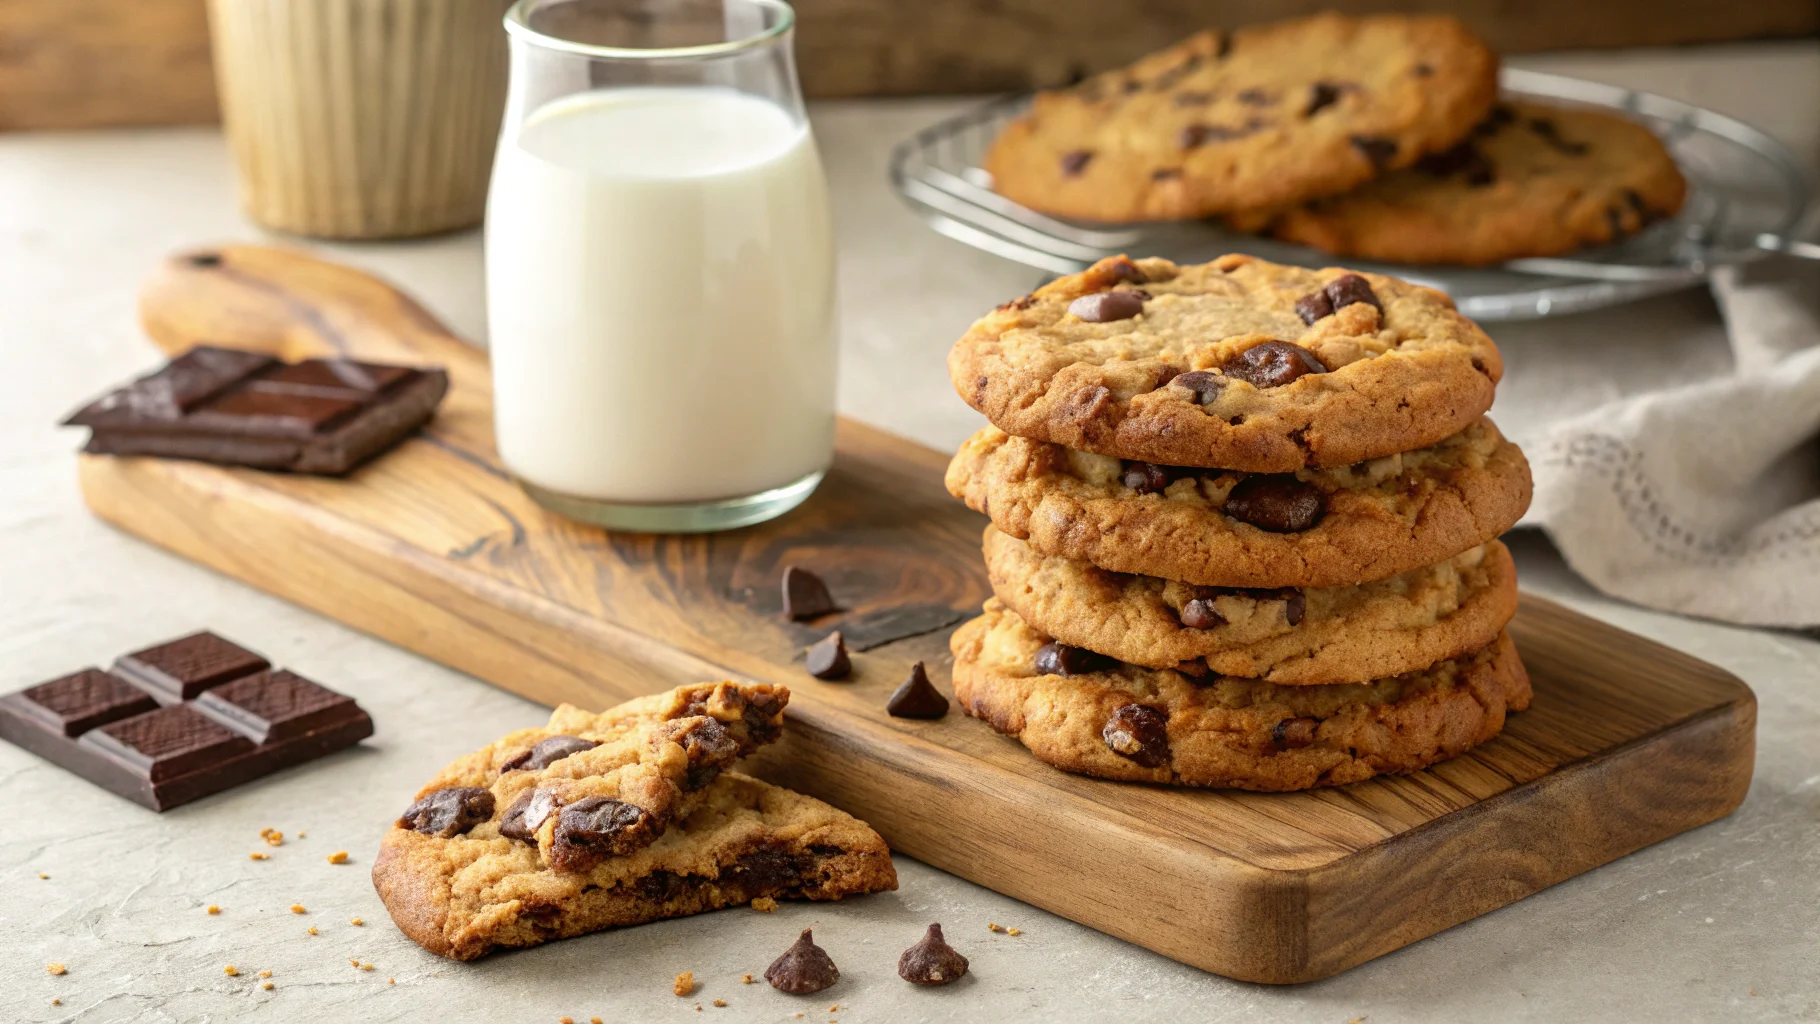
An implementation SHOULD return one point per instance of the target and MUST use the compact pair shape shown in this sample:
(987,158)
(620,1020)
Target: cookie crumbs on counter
(56,1002)
(355,921)
(43,875)
(394,981)
(1355,1020)
(720,1002)
(565,1020)
(684,984)
(213,909)
(593,1020)
(312,929)
(1014,931)
(994,926)
(55,968)
(366,967)
(834,1009)
(266,985)
(265,974)
(231,971)
(764,904)
(338,857)
(272,836)
(353,962)
(257,856)
(301,834)
(745,979)
(297,908)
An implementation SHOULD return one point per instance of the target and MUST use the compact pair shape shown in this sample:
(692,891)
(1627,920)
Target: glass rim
(518,25)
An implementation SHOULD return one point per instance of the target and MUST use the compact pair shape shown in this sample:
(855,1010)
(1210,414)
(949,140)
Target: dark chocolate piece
(917,697)
(804,968)
(1279,503)
(597,827)
(547,753)
(1105,307)
(931,961)
(180,721)
(828,659)
(1058,659)
(323,416)
(805,595)
(445,813)
(1139,732)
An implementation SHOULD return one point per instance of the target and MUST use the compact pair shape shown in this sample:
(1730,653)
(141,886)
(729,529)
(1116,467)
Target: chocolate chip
(1075,162)
(1313,306)
(1347,289)
(548,752)
(1254,97)
(828,658)
(1139,732)
(1104,307)
(1058,659)
(1291,733)
(527,814)
(1295,606)
(1191,136)
(1205,385)
(1380,151)
(1148,477)
(1323,95)
(768,869)
(1201,614)
(1551,134)
(931,961)
(1464,159)
(805,595)
(708,745)
(1124,269)
(804,968)
(917,697)
(204,260)
(1165,173)
(598,826)
(1272,364)
(1279,504)
(448,812)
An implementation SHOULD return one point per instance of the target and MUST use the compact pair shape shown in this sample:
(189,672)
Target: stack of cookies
(1244,525)
(1379,137)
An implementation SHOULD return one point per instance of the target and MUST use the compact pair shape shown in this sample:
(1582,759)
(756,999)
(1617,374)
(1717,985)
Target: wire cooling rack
(1747,194)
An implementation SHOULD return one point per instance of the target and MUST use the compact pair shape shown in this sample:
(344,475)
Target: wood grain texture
(433,548)
(85,63)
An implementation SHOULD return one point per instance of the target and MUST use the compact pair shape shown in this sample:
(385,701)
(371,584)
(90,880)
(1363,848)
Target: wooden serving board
(432,547)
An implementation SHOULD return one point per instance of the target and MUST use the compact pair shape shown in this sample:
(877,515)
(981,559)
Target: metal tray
(1747,194)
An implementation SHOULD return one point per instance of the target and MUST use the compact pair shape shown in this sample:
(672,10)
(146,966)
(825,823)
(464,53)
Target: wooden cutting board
(432,547)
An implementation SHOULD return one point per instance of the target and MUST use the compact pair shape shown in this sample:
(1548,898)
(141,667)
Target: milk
(660,297)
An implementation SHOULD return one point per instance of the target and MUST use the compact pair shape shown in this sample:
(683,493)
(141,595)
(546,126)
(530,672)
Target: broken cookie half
(599,821)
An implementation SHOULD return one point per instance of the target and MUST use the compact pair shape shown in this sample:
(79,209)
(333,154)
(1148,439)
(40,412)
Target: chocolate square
(78,702)
(182,669)
(167,742)
(272,706)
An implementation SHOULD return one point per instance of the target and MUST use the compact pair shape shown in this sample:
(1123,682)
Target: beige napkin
(1668,474)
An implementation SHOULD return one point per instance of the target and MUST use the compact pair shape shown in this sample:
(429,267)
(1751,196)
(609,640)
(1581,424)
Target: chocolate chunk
(828,658)
(1350,288)
(1295,606)
(448,812)
(226,718)
(1291,733)
(805,595)
(1148,477)
(548,752)
(931,961)
(1277,503)
(1322,96)
(597,827)
(804,968)
(1551,134)
(1058,659)
(1075,162)
(1205,385)
(224,405)
(708,745)
(1191,136)
(1379,151)
(1201,614)
(1104,307)
(527,814)
(1464,159)
(1314,306)
(769,869)
(1139,732)
(1273,364)
(917,697)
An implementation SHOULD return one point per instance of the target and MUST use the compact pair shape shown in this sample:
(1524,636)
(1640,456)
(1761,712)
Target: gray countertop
(1719,924)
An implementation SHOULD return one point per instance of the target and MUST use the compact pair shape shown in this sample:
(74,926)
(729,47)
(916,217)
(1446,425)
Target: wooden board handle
(292,305)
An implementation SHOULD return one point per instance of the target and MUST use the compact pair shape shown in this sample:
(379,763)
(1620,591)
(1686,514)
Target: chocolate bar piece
(246,409)
(181,720)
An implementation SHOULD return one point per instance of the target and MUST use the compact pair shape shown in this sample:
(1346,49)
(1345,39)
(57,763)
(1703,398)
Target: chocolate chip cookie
(1258,118)
(1316,528)
(629,816)
(1292,636)
(1532,180)
(1238,363)
(1087,714)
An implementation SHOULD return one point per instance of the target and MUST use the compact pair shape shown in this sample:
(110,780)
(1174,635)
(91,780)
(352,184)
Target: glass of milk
(660,266)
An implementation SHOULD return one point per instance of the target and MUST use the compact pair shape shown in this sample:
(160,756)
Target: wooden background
(88,63)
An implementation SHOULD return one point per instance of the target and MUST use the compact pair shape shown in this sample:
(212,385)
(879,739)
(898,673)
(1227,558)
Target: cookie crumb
(394,981)
(684,984)
(355,921)
(338,857)
(265,974)
(257,856)
(764,904)
(994,926)
(593,1020)
(213,909)
(231,971)
(834,1008)
(745,979)
(720,1002)
(366,967)
(266,985)
(1355,1020)
(272,836)
(301,834)
(297,908)
(312,929)
(43,875)
(56,1002)
(56,968)
(1014,931)
(565,1020)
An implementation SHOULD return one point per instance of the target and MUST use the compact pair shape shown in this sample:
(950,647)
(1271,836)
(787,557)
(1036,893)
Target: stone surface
(1717,925)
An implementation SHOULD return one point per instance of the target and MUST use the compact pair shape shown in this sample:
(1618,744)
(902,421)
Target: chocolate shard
(547,752)
(180,721)
(448,812)
(931,961)
(527,814)
(803,969)
(828,659)
(598,826)
(917,697)
(805,595)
